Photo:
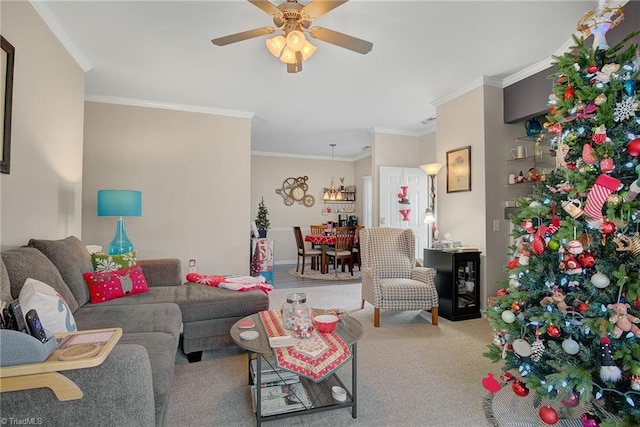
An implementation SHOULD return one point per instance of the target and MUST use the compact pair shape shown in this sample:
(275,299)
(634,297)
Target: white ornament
(508,316)
(521,347)
(570,346)
(600,280)
(625,109)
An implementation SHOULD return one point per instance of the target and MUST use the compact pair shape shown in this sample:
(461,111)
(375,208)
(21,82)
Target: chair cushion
(405,289)
(339,253)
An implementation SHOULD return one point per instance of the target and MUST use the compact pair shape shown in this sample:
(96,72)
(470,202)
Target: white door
(394,213)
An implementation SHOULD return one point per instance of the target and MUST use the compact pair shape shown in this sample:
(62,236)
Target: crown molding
(167,106)
(49,18)
(482,81)
(399,132)
(300,156)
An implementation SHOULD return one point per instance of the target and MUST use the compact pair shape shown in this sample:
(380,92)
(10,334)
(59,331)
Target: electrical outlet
(496,225)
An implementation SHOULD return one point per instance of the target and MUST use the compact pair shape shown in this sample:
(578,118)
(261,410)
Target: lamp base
(120,243)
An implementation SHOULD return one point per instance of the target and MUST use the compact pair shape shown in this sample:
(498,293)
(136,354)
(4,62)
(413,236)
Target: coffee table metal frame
(349,329)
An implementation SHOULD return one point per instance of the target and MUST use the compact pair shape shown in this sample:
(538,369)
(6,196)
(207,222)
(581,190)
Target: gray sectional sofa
(132,386)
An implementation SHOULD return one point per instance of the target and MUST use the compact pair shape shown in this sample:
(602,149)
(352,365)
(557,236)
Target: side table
(349,329)
(46,374)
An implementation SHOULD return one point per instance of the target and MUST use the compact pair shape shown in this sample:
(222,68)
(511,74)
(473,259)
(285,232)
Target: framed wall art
(6,94)
(459,170)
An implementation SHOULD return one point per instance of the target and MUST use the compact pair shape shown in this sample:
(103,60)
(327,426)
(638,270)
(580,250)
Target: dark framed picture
(6,95)
(459,170)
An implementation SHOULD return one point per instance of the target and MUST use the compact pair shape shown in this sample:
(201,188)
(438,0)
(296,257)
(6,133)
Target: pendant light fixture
(332,194)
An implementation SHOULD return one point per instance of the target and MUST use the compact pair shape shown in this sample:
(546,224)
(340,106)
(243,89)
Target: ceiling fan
(294,19)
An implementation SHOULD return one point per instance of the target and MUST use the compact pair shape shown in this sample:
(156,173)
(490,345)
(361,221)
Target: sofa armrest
(117,392)
(162,272)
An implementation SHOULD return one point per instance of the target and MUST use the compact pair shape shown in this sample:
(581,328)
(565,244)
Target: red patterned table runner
(321,239)
(315,357)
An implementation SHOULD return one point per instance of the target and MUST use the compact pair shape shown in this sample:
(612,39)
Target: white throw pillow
(53,311)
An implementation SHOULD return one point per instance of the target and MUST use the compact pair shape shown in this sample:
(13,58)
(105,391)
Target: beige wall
(194,173)
(41,197)
(268,174)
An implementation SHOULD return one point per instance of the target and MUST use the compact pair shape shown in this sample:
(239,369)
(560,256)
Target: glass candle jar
(293,309)
(303,327)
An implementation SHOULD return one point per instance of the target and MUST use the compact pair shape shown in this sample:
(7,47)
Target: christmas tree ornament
(587,154)
(623,321)
(491,384)
(600,99)
(607,228)
(537,348)
(587,260)
(519,388)
(609,371)
(628,244)
(569,93)
(592,69)
(583,307)
(508,316)
(599,135)
(572,400)
(556,298)
(606,165)
(570,346)
(629,87)
(602,188)
(548,415)
(633,147)
(600,280)
(553,331)
(625,109)
(635,382)
(521,347)
(590,420)
(614,200)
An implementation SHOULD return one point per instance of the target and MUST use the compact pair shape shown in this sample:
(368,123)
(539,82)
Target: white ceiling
(423,52)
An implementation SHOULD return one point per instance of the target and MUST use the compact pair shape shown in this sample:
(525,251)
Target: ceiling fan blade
(340,39)
(267,6)
(318,8)
(245,35)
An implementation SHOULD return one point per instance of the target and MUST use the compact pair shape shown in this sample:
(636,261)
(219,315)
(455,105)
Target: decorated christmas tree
(567,321)
(262,219)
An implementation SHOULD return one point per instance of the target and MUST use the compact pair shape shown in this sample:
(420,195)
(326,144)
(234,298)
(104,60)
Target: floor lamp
(120,203)
(431,170)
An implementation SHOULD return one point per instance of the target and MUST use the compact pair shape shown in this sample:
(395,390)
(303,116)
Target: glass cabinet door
(466,281)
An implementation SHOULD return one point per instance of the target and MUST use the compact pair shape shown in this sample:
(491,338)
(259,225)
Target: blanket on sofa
(234,283)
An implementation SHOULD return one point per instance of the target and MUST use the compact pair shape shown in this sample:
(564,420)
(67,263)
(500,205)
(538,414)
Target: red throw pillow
(116,284)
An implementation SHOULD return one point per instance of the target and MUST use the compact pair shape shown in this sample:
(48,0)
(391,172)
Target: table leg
(354,380)
(324,269)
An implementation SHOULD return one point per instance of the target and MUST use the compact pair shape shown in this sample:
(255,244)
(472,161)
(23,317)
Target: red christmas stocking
(554,226)
(602,188)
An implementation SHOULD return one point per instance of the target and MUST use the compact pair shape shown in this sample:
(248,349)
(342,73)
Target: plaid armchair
(390,278)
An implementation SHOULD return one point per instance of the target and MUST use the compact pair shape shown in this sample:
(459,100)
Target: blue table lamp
(120,203)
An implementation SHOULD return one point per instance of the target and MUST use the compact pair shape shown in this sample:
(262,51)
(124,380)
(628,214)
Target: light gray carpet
(331,275)
(410,373)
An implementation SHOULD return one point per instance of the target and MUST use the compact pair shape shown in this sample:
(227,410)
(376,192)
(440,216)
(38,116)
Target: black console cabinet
(457,281)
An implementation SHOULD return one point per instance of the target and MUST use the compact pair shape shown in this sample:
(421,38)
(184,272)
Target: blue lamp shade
(120,203)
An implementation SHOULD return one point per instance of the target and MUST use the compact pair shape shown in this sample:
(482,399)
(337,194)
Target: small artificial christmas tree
(566,317)
(262,219)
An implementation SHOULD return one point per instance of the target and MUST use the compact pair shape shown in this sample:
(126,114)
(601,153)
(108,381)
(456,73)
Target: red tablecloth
(321,239)
(315,358)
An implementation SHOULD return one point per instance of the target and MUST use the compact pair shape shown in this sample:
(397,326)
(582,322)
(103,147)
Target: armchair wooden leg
(434,316)
(376,317)
(362,305)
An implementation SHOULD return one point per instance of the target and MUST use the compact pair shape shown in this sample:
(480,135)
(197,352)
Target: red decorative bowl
(326,323)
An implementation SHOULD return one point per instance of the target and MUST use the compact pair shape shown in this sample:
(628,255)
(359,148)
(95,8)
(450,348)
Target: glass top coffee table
(319,393)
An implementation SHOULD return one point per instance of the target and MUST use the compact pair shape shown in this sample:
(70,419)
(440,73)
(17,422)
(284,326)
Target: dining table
(324,240)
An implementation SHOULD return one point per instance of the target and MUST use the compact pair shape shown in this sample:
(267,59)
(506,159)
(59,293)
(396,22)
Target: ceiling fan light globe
(288,56)
(296,40)
(308,50)
(275,45)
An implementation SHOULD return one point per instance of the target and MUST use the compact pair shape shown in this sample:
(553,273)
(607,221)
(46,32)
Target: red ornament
(571,166)
(583,307)
(548,415)
(553,331)
(637,303)
(592,69)
(538,244)
(571,401)
(562,79)
(590,420)
(515,306)
(569,93)
(513,263)
(490,383)
(502,292)
(519,388)
(606,165)
(633,147)
(587,260)
(608,228)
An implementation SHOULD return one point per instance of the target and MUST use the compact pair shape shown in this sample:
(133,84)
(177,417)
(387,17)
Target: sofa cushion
(199,302)
(5,287)
(53,311)
(72,259)
(161,317)
(104,262)
(24,263)
(116,284)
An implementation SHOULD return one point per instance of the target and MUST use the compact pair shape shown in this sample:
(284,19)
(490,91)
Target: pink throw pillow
(116,284)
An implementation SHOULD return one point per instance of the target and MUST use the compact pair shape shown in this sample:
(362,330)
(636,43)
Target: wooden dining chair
(356,247)
(303,252)
(343,250)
